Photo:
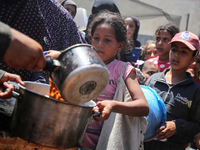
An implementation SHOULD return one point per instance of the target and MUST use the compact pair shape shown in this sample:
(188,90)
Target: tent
(147,14)
(128,8)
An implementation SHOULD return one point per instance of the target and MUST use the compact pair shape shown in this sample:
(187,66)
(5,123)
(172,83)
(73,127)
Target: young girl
(133,26)
(163,35)
(108,34)
(150,50)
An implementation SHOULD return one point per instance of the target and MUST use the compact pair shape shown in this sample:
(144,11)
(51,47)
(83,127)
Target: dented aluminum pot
(46,121)
(80,74)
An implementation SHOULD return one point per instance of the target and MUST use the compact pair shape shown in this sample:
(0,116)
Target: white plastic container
(81,19)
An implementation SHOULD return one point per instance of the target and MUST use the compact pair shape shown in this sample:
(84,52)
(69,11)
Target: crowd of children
(170,65)
(165,71)
(173,86)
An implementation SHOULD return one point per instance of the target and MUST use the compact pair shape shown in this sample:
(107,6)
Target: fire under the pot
(9,141)
(54,92)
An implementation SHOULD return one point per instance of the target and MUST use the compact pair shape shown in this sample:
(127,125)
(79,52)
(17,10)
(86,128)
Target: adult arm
(20,51)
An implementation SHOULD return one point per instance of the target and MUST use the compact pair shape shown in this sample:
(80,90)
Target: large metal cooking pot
(80,74)
(46,121)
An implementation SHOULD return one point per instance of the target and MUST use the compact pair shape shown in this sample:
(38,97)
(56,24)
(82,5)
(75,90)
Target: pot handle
(51,64)
(96,113)
(15,94)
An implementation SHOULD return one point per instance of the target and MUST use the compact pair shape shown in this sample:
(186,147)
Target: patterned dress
(46,21)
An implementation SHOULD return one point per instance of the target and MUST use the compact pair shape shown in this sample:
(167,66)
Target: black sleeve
(5,37)
(186,130)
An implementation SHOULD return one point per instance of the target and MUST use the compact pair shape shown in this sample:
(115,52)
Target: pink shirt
(162,65)
(92,134)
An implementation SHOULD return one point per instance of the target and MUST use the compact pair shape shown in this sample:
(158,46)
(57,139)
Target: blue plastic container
(157,113)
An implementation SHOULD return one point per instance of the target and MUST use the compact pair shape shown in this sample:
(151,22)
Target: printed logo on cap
(185,36)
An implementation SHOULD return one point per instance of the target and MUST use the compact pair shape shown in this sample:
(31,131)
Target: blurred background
(153,13)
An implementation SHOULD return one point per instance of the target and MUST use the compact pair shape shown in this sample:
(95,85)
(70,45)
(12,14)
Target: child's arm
(53,54)
(139,103)
(138,107)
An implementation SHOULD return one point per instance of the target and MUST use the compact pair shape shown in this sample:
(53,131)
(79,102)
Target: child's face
(180,56)
(149,71)
(197,65)
(162,40)
(194,68)
(151,51)
(130,26)
(104,40)
(71,9)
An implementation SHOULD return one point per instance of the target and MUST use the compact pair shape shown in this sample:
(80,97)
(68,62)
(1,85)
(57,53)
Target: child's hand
(105,108)
(53,54)
(166,131)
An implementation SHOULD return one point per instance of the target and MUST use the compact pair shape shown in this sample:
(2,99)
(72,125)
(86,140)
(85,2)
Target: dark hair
(63,2)
(100,5)
(114,20)
(170,27)
(137,28)
(147,65)
(195,53)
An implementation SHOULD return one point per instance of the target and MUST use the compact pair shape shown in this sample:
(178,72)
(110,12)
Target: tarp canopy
(150,17)
(133,8)
(144,11)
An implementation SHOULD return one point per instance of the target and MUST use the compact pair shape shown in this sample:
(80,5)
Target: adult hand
(24,52)
(166,131)
(5,88)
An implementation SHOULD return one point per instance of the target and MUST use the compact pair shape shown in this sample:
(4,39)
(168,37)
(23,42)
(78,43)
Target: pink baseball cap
(187,38)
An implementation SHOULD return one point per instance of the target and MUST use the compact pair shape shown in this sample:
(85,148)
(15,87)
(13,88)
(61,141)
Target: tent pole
(188,16)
